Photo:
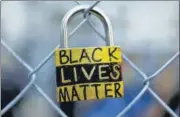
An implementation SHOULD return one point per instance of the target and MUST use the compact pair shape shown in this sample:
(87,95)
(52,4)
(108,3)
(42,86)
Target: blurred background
(147,32)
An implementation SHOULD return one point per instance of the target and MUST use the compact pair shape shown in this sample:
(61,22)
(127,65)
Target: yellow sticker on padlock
(91,55)
(88,73)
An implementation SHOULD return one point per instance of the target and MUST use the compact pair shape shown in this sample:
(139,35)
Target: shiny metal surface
(78,10)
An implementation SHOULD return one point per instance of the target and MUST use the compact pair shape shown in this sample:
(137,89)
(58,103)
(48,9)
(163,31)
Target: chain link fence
(32,75)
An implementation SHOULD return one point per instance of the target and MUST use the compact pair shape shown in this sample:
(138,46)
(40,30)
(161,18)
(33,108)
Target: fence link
(32,74)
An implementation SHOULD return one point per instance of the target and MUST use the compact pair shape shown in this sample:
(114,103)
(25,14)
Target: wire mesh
(32,74)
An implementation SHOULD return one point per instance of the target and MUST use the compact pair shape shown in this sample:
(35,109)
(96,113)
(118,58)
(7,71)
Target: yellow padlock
(89,72)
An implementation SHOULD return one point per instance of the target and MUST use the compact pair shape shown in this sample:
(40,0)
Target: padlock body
(88,73)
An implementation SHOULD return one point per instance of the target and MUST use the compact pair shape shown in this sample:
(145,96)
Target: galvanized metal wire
(32,74)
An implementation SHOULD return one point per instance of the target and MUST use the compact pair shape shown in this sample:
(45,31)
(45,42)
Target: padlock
(88,73)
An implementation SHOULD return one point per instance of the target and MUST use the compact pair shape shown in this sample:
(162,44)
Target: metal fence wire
(32,75)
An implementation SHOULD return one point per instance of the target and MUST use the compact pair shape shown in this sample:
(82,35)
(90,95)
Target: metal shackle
(95,11)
